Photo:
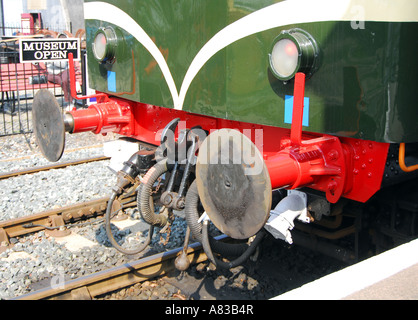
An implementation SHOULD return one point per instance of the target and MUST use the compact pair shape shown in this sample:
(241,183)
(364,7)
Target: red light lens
(291,49)
(284,58)
(99,46)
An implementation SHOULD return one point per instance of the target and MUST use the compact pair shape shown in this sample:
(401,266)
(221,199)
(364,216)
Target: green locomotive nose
(224,59)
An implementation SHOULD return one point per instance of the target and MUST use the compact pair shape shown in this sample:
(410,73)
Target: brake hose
(144,199)
(110,236)
(238,261)
(201,234)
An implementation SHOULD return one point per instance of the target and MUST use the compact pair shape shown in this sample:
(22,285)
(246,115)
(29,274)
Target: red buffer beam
(304,162)
(337,166)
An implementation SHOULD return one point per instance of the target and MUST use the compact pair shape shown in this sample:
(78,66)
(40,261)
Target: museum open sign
(48,50)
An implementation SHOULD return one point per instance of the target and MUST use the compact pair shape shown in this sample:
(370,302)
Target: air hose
(201,234)
(238,261)
(144,199)
(110,236)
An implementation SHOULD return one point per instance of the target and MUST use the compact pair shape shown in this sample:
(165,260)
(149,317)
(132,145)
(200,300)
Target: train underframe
(345,197)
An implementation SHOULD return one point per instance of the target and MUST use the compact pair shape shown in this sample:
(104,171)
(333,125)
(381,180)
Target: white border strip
(276,15)
(341,284)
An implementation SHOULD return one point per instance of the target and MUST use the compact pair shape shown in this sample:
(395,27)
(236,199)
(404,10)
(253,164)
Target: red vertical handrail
(297,117)
(73,80)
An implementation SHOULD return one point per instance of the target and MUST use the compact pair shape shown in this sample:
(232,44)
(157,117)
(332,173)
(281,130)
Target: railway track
(54,220)
(128,274)
(147,278)
(50,167)
(89,284)
(253,281)
(57,221)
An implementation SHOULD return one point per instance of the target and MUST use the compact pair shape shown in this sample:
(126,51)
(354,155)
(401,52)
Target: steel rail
(56,218)
(50,218)
(53,166)
(128,274)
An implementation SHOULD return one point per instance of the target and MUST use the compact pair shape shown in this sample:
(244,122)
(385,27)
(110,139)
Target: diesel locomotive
(291,118)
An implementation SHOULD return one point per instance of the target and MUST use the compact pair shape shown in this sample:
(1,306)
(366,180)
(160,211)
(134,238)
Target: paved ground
(392,275)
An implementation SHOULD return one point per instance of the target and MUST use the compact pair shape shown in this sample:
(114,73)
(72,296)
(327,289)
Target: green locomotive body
(212,58)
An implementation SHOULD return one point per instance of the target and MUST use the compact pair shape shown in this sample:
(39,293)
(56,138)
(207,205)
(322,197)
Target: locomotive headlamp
(293,51)
(104,45)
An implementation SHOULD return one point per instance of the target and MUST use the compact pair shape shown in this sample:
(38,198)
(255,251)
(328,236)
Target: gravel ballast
(28,194)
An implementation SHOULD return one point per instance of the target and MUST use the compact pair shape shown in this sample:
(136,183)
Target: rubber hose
(232,264)
(192,216)
(144,199)
(110,234)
